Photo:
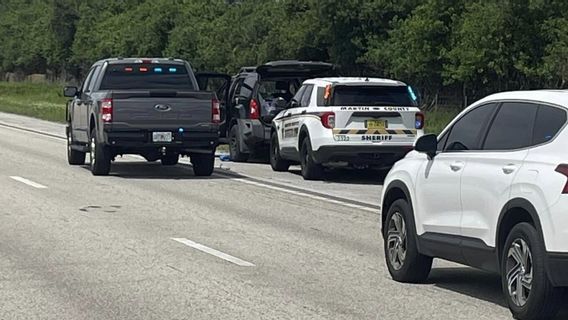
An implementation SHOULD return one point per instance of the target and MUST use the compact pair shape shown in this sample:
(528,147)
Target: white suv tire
(527,289)
(404,262)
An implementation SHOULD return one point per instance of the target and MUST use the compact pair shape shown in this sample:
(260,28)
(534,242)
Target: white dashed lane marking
(216,253)
(28,182)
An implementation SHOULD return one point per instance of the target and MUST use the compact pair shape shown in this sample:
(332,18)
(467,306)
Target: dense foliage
(469,47)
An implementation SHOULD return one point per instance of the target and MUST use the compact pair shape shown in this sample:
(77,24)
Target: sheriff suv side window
(307,95)
(298,97)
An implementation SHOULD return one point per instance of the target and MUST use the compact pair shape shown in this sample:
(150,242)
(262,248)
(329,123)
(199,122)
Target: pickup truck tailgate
(161,110)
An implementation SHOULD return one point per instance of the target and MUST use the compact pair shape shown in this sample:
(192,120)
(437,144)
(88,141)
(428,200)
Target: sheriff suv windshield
(146,77)
(371,96)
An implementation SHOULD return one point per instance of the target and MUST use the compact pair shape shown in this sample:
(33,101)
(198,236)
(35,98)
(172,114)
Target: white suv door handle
(510,168)
(456,166)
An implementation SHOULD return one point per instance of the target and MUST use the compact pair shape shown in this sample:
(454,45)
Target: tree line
(460,47)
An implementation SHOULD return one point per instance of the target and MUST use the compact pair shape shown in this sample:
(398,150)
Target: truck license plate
(376,124)
(161,136)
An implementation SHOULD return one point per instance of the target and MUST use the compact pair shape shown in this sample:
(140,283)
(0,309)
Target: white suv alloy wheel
(396,241)
(519,269)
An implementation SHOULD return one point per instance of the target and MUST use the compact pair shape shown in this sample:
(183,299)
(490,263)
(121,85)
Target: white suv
(491,192)
(360,121)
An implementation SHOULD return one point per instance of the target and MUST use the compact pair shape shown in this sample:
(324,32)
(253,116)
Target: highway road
(152,242)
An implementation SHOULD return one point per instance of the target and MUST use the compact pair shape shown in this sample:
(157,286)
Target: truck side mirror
(294,104)
(70,92)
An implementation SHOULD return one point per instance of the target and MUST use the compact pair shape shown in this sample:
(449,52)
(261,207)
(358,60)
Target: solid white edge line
(14,127)
(298,193)
(214,252)
(28,182)
(314,197)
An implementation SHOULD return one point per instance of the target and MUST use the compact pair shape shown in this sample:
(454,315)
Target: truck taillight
(328,120)
(419,120)
(563,169)
(215,111)
(254,109)
(106,110)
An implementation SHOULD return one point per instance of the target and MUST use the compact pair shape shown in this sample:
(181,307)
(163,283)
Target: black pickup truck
(150,107)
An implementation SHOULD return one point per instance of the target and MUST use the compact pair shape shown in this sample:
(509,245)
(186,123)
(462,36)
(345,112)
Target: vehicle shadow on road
(472,282)
(351,176)
(154,170)
(476,284)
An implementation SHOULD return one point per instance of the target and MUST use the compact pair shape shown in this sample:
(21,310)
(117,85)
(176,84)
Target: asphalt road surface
(152,242)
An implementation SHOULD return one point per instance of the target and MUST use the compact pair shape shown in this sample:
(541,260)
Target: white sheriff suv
(359,121)
(490,192)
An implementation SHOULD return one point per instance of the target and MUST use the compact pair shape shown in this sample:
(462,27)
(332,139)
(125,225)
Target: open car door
(218,83)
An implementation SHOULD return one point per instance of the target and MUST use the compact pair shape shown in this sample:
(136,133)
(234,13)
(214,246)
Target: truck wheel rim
(519,268)
(396,241)
(69,146)
(233,145)
(93,151)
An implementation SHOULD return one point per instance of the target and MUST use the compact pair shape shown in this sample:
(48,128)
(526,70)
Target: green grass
(436,121)
(46,101)
(43,101)
(223,148)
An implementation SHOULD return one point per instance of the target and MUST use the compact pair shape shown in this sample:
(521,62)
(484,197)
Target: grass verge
(437,120)
(43,101)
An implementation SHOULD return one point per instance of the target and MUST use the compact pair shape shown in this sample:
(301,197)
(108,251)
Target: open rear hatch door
(297,69)
(218,83)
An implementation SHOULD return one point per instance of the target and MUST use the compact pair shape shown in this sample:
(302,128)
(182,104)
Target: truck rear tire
(203,164)
(100,156)
(170,159)
(74,157)
(235,146)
